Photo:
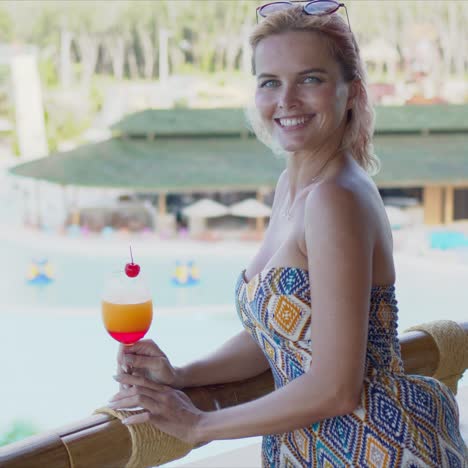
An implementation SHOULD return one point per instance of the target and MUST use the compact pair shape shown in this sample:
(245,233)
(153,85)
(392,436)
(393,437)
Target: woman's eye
(312,79)
(269,84)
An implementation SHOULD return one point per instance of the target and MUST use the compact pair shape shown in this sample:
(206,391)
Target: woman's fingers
(137,418)
(143,362)
(138,396)
(144,347)
(170,410)
(154,393)
(140,381)
(145,358)
(134,401)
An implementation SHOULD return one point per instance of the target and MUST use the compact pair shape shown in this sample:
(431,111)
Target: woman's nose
(288,98)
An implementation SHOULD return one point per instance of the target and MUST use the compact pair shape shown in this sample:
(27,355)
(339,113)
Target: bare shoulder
(334,210)
(334,199)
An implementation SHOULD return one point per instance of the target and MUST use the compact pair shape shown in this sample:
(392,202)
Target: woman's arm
(237,359)
(340,262)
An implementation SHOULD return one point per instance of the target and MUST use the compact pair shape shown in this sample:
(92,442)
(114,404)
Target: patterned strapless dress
(402,420)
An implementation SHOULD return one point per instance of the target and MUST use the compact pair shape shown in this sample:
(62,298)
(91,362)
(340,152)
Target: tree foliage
(122,38)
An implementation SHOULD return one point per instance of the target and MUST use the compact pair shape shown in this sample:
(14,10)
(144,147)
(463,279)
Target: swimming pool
(59,359)
(78,277)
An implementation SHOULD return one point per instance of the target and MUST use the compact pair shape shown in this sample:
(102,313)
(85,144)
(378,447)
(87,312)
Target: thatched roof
(183,122)
(215,122)
(230,163)
(172,165)
(418,160)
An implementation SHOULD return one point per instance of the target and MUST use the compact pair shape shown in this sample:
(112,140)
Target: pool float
(40,273)
(185,274)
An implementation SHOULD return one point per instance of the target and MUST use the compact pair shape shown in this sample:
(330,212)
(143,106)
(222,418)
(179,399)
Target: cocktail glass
(127,308)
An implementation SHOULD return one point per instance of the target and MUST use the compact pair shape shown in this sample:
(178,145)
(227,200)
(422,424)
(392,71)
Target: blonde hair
(343,46)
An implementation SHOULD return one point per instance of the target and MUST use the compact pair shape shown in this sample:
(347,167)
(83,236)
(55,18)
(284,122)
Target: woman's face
(301,95)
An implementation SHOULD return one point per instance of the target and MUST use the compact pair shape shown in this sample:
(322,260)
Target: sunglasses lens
(321,7)
(271,8)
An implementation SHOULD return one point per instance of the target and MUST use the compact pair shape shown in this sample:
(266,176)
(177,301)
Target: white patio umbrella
(250,208)
(205,208)
(200,210)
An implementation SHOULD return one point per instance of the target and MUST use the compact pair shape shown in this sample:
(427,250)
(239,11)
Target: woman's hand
(146,359)
(168,409)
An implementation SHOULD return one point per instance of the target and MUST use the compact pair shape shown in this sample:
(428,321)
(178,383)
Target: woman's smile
(293,123)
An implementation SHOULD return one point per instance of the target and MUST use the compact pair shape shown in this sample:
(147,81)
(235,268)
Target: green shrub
(19,430)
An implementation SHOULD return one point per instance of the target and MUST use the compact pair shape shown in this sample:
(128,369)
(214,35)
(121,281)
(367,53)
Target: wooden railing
(102,441)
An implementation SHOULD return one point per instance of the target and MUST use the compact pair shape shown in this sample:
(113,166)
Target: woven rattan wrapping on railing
(452,342)
(150,446)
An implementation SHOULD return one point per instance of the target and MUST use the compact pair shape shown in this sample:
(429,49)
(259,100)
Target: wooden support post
(433,204)
(76,217)
(162,204)
(448,205)
(76,214)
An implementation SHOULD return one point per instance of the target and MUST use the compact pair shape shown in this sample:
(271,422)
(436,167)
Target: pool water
(78,279)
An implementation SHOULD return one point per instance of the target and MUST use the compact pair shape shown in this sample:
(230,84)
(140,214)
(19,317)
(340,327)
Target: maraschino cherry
(132,269)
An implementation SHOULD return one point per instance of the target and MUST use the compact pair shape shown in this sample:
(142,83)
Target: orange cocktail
(127,308)
(127,323)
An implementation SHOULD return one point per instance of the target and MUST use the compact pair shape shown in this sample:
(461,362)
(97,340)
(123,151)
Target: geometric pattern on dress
(292,367)
(383,347)
(289,281)
(402,421)
(258,304)
(452,459)
(268,347)
(409,460)
(424,442)
(300,443)
(326,457)
(376,451)
(287,459)
(303,357)
(451,416)
(384,412)
(343,433)
(270,449)
(418,399)
(288,317)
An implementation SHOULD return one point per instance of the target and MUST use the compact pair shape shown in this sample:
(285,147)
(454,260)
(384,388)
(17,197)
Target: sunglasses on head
(315,7)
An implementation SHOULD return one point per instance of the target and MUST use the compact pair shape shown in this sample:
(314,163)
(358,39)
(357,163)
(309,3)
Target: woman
(317,301)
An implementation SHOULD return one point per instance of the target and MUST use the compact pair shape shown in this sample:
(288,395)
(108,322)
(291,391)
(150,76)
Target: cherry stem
(131,255)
